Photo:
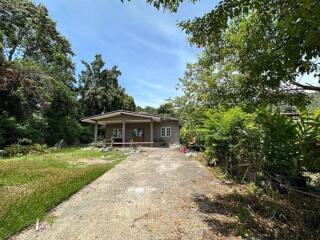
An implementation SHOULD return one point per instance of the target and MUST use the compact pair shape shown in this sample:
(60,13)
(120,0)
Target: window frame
(140,132)
(116,131)
(165,132)
(168,128)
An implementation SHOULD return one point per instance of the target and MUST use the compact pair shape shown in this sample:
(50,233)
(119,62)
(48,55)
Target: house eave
(103,117)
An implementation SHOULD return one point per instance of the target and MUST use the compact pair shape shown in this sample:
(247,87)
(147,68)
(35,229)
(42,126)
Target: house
(126,127)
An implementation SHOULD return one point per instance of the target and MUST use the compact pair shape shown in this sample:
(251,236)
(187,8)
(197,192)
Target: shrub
(85,135)
(308,136)
(190,137)
(231,138)
(9,130)
(280,148)
(245,144)
(290,145)
(24,147)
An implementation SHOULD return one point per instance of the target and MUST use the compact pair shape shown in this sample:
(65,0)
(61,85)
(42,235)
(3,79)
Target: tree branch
(306,87)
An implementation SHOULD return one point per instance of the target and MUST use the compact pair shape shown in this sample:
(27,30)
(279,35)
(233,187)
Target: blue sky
(146,45)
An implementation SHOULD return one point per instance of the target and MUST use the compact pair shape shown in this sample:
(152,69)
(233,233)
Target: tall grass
(31,185)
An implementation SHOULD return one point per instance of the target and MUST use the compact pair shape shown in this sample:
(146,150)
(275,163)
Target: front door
(138,134)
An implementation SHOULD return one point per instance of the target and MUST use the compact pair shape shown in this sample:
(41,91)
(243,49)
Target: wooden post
(95,132)
(105,131)
(123,132)
(151,132)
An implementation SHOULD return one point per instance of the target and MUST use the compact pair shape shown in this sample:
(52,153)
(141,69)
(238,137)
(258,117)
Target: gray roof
(156,117)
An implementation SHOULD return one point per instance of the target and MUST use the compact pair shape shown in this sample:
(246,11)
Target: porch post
(95,131)
(105,132)
(123,132)
(151,132)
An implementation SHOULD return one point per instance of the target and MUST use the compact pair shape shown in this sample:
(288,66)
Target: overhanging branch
(306,86)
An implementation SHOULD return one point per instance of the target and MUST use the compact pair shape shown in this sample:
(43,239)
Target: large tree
(29,34)
(36,74)
(100,90)
(34,55)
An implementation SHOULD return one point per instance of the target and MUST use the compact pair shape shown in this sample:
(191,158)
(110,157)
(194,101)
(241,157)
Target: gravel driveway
(150,195)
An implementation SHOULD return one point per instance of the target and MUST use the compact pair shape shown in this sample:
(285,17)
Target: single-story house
(126,127)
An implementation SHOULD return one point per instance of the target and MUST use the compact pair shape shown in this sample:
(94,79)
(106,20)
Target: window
(137,132)
(117,133)
(166,132)
(163,132)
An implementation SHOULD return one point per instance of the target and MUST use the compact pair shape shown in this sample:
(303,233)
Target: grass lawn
(31,185)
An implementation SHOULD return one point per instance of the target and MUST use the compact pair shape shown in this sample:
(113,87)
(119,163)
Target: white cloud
(153,85)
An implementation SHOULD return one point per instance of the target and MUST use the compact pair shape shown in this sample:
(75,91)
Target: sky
(145,43)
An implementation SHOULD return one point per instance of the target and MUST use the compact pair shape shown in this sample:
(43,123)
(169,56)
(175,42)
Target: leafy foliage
(100,91)
(166,108)
(246,143)
(172,5)
(308,137)
(279,142)
(18,149)
(232,139)
(29,34)
(259,48)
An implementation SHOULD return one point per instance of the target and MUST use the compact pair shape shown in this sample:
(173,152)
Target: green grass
(32,185)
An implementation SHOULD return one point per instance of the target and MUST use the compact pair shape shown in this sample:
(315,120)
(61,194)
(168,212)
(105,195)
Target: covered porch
(124,129)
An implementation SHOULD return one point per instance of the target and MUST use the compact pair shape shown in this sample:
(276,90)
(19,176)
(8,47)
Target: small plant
(243,214)
(242,231)
(253,189)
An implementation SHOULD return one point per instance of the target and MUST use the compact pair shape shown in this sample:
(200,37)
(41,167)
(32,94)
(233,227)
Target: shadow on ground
(250,215)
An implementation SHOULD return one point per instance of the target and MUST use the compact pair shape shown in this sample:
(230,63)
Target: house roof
(154,117)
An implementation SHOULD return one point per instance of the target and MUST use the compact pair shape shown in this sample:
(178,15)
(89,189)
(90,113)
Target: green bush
(308,138)
(280,148)
(24,147)
(189,136)
(230,138)
(246,143)
(86,134)
(290,145)
(10,130)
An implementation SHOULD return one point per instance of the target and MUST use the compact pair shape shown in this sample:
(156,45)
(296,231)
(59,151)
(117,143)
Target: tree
(212,86)
(36,75)
(270,44)
(100,90)
(33,56)
(29,34)
(166,109)
(63,116)
(147,109)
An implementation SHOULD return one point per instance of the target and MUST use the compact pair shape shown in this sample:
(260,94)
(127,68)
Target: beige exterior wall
(175,129)
(174,125)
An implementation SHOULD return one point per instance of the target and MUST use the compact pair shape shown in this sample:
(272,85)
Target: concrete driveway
(150,195)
